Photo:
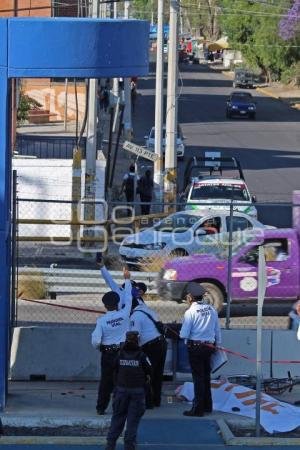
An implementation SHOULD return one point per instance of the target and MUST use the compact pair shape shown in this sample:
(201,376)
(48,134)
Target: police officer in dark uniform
(145,321)
(109,334)
(132,369)
(201,330)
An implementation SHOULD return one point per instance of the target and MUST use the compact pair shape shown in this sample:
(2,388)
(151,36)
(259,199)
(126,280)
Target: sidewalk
(64,413)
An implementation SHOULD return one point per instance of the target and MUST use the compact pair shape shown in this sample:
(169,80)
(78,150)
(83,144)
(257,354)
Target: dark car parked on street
(241,104)
(243,79)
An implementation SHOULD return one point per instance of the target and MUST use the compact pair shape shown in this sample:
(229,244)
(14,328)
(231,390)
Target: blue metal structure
(85,48)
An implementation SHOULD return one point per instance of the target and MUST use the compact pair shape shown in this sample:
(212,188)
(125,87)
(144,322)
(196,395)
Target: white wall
(50,179)
(58,353)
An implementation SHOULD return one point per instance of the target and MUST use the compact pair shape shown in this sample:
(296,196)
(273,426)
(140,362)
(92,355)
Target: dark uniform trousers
(156,351)
(128,403)
(199,357)
(106,385)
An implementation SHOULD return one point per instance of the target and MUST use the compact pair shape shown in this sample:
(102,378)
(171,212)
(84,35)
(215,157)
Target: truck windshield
(177,223)
(202,191)
(218,244)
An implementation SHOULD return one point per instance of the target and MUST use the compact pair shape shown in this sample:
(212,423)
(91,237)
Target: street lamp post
(170,180)
(159,103)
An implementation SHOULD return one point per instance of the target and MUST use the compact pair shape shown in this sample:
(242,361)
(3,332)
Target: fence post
(76,192)
(229,265)
(13,250)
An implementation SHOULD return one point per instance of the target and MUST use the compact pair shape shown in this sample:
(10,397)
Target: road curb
(52,440)
(268,93)
(230,439)
(227,74)
(54,422)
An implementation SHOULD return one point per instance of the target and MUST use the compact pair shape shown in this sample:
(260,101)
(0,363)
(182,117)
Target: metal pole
(117,146)
(115,90)
(127,92)
(229,265)
(159,102)
(13,249)
(170,184)
(258,369)
(262,283)
(76,191)
(107,173)
(135,181)
(91,145)
(66,105)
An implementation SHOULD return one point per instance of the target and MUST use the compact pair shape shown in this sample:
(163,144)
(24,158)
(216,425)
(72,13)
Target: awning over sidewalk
(220,44)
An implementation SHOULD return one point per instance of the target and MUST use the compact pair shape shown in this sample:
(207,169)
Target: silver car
(180,146)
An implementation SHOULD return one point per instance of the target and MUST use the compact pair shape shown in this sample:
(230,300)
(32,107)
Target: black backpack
(129,184)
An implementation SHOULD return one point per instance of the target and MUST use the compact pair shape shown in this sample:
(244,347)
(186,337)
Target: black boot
(110,445)
(193,413)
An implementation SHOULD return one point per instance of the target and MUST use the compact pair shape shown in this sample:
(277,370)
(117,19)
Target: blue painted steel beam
(4,213)
(85,48)
(100,48)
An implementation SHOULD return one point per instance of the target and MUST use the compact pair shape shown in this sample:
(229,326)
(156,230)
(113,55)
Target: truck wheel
(214,295)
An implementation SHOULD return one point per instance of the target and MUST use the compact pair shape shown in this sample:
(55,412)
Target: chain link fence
(58,281)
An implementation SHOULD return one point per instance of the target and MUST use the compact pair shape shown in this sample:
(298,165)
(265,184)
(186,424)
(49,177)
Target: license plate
(242,112)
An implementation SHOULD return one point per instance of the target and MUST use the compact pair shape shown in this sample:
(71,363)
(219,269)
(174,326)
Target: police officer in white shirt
(154,345)
(201,330)
(109,334)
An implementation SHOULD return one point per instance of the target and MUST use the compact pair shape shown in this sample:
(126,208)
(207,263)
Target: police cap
(142,287)
(195,289)
(110,299)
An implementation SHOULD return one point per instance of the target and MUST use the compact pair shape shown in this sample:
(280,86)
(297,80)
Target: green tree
(252,27)
(198,17)
(26,104)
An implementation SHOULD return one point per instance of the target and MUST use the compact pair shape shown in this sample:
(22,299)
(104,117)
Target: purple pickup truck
(282,254)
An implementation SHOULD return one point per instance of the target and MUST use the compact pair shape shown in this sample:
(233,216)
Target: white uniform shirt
(201,323)
(113,286)
(113,326)
(143,325)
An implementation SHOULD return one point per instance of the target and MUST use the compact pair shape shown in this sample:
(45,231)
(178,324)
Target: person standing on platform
(108,336)
(202,332)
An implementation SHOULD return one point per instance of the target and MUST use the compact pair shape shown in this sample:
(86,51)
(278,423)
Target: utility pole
(170,181)
(115,89)
(159,103)
(127,92)
(91,145)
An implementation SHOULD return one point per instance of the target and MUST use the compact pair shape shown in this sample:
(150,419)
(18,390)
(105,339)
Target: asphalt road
(267,148)
(34,314)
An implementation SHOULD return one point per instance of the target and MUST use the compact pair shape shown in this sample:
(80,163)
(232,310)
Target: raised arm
(109,280)
(127,293)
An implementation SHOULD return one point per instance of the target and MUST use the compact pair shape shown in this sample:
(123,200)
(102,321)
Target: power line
(223,11)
